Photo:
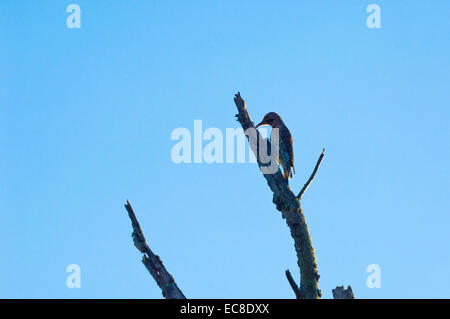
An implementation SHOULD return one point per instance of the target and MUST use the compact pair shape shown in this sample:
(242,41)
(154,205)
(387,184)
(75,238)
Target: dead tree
(152,262)
(285,201)
(289,206)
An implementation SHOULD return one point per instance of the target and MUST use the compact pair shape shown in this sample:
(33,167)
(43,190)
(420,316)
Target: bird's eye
(269,120)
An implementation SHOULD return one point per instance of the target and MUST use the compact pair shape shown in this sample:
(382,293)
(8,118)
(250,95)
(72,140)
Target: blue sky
(87,115)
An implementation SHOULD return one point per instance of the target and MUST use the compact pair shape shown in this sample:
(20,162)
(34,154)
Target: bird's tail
(288,173)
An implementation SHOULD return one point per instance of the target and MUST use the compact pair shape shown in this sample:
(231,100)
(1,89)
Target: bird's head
(271,118)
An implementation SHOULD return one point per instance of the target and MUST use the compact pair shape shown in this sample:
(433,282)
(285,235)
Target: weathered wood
(289,206)
(152,262)
(342,293)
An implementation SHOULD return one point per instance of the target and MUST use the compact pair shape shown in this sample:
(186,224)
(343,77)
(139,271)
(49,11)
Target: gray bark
(342,293)
(152,262)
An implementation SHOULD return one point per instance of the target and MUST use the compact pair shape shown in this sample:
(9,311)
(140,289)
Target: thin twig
(305,187)
(152,262)
(293,284)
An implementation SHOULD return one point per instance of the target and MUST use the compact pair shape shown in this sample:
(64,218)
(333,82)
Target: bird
(286,151)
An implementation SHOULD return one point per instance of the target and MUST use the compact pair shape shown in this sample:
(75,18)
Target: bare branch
(305,187)
(342,293)
(293,284)
(288,204)
(152,262)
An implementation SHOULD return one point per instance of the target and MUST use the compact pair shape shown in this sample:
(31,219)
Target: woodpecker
(286,152)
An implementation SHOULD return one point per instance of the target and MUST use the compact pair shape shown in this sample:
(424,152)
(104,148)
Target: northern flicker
(286,152)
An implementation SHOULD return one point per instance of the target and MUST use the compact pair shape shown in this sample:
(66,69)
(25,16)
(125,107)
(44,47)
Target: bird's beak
(260,124)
